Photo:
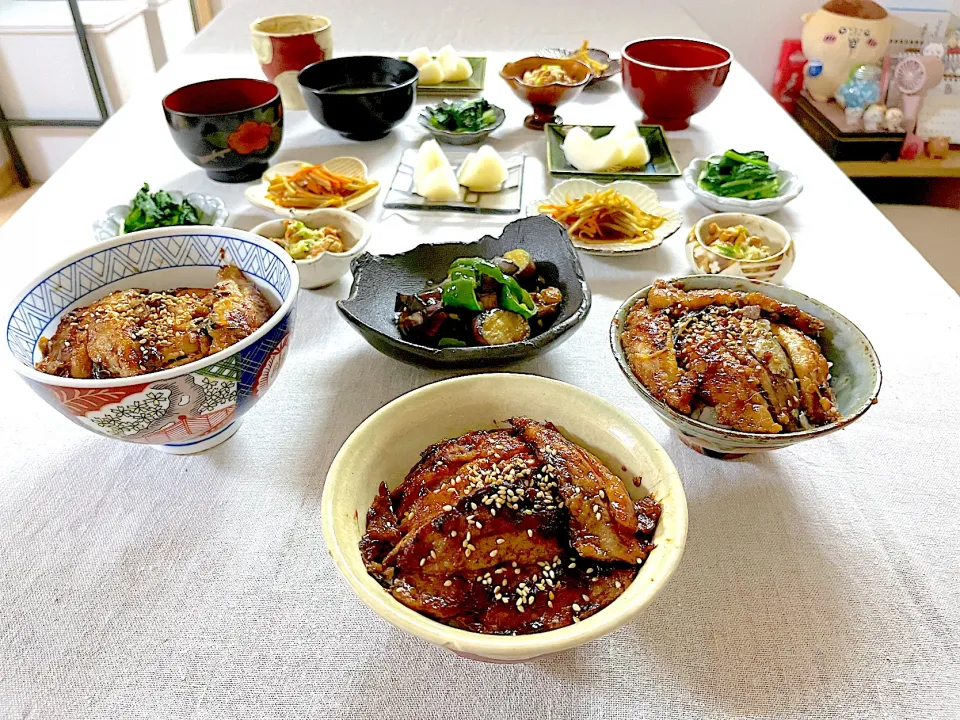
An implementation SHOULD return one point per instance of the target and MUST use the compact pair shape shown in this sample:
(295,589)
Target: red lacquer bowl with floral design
(670,79)
(228,127)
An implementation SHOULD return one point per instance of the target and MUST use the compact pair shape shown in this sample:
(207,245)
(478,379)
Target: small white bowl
(327,267)
(790,187)
(645,198)
(354,167)
(212,212)
(388,443)
(705,261)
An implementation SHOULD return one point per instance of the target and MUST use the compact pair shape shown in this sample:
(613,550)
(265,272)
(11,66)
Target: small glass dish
(213,211)
(507,201)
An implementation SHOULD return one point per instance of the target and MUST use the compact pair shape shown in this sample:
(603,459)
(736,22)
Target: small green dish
(471,85)
(662,165)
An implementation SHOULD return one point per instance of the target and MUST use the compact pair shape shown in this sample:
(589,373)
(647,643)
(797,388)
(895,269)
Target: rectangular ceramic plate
(400,195)
(662,166)
(473,84)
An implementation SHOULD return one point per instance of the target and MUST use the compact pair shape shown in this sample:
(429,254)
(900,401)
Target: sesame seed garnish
(493,553)
(447,508)
(448,583)
(529,532)
(576,608)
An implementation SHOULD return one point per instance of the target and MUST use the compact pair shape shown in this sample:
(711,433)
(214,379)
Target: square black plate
(378,278)
(662,165)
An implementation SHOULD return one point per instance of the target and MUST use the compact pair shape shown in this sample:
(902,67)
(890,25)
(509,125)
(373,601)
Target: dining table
(820,580)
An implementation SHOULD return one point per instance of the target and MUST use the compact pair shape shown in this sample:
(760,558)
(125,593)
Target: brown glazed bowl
(670,79)
(229,127)
(545,98)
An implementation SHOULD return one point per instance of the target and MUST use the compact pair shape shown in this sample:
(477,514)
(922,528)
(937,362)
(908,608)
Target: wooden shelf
(922,167)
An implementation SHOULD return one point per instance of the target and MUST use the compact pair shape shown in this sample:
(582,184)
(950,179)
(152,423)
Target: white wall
(752,29)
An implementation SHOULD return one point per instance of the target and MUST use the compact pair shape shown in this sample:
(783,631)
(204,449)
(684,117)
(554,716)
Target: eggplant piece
(488,301)
(507,267)
(526,267)
(547,301)
(500,327)
(409,323)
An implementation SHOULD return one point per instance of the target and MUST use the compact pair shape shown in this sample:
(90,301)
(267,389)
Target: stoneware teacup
(285,44)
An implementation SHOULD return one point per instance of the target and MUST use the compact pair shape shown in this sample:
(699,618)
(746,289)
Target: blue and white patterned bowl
(855,373)
(185,409)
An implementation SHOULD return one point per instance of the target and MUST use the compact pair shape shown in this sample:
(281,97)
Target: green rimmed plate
(662,165)
(471,85)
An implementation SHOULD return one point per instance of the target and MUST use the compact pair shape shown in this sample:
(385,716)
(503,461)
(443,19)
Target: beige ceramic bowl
(706,261)
(327,267)
(389,442)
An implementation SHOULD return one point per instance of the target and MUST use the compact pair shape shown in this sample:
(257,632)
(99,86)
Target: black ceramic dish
(377,280)
(388,88)
(228,127)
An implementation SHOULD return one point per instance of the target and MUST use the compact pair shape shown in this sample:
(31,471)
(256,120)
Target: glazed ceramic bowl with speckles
(378,278)
(183,409)
(229,127)
(388,443)
(855,374)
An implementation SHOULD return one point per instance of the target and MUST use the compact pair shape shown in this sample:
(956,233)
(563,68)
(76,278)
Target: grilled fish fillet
(812,371)
(602,518)
(665,295)
(239,309)
(730,377)
(647,340)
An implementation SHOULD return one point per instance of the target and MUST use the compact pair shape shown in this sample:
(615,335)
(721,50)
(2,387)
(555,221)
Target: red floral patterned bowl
(229,127)
(185,409)
(671,79)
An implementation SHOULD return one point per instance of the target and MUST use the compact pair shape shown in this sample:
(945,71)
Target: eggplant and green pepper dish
(481,302)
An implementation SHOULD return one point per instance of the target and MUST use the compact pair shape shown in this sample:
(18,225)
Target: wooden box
(824,122)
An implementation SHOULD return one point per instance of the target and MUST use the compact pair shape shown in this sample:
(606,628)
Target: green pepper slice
(460,292)
(450,342)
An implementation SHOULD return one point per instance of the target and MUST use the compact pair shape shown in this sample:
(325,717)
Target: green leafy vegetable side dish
(462,115)
(159,209)
(744,175)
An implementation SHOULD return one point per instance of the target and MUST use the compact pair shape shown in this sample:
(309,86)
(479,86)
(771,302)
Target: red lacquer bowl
(670,79)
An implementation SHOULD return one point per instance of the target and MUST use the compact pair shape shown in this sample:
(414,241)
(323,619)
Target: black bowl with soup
(361,97)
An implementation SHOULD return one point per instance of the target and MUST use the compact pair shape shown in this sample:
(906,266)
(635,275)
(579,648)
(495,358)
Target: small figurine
(873,118)
(893,120)
(938,147)
(912,147)
(853,116)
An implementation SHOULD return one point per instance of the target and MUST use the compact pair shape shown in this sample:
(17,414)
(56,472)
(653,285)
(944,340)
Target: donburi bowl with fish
(737,366)
(96,325)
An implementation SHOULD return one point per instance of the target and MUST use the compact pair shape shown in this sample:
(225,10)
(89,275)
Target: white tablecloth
(821,580)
